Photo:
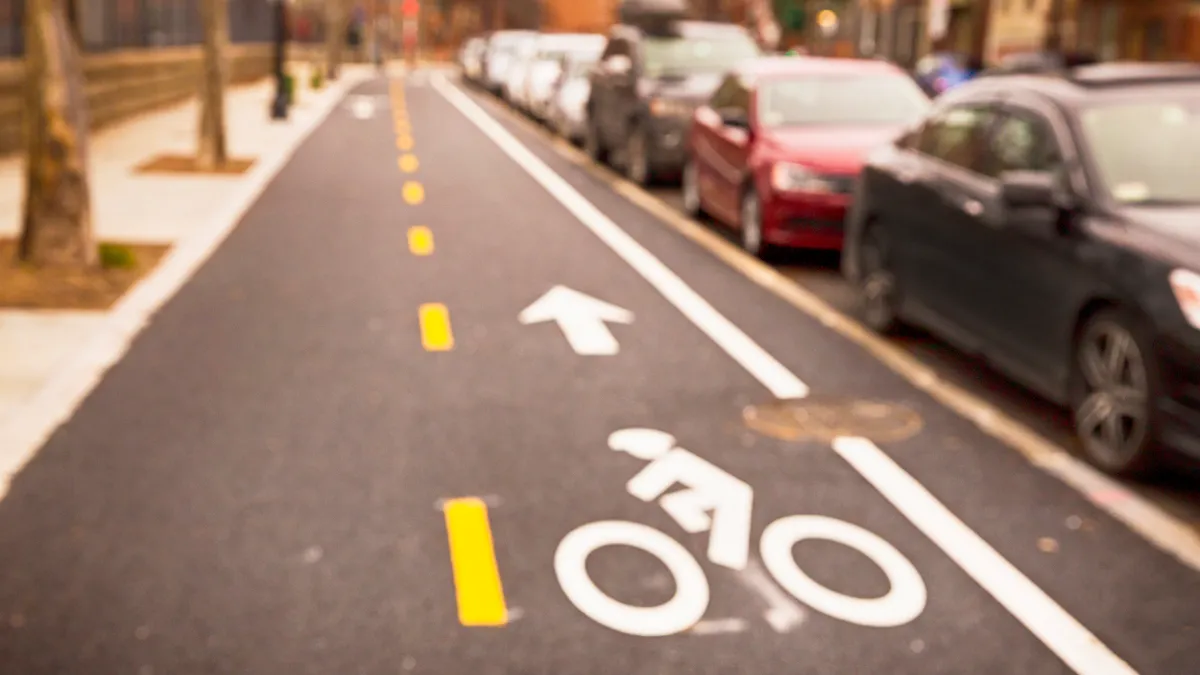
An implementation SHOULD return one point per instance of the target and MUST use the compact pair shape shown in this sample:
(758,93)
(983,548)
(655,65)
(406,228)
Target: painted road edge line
(31,424)
(1167,532)
(477,585)
(739,346)
(1058,630)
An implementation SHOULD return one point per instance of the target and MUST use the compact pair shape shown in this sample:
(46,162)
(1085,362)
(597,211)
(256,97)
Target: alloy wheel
(1113,417)
(751,225)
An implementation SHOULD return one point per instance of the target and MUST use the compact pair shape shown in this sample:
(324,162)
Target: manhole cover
(827,418)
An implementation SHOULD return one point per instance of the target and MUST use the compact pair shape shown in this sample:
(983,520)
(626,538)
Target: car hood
(829,149)
(1171,234)
(693,88)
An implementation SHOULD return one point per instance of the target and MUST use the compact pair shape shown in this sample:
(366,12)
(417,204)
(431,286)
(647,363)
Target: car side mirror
(1034,201)
(618,64)
(1028,189)
(734,117)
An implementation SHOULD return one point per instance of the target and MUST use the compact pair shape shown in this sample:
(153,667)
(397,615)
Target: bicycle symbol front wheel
(678,614)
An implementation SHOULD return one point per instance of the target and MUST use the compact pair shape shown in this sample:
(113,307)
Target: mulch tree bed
(29,287)
(183,164)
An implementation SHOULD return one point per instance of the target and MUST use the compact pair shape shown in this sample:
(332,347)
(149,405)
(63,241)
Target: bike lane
(261,484)
(1136,599)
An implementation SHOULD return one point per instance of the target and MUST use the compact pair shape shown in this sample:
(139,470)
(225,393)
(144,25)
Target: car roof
(581,40)
(1079,84)
(786,66)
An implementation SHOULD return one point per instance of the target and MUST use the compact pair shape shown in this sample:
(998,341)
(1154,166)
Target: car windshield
(1145,150)
(841,100)
(670,56)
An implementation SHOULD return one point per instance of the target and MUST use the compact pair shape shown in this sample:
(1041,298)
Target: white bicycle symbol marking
(709,489)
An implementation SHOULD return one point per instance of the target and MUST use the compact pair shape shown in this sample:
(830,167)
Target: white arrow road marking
(581,318)
(1078,647)
(783,614)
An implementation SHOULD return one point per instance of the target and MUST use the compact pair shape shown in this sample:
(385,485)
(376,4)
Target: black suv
(649,81)
(1050,223)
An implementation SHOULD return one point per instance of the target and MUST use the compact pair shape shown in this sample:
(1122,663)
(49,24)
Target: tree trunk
(212,150)
(335,36)
(57,227)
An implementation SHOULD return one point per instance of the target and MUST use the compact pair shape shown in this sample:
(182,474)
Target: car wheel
(1115,382)
(592,145)
(637,159)
(878,287)
(750,225)
(690,187)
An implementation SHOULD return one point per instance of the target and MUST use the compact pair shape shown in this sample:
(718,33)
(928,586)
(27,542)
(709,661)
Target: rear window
(683,56)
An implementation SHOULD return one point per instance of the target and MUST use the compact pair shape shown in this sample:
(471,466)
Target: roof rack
(1084,70)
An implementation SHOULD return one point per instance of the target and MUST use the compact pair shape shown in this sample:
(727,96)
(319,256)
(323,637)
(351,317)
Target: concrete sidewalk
(150,209)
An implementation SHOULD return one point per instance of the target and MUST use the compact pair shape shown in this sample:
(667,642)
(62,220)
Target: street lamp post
(279,106)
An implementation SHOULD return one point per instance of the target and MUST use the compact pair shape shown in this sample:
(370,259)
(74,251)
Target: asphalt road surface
(475,412)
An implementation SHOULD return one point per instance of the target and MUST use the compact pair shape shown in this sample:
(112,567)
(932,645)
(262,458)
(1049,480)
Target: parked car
(498,56)
(567,113)
(1048,223)
(470,58)
(546,69)
(649,81)
(775,152)
(518,71)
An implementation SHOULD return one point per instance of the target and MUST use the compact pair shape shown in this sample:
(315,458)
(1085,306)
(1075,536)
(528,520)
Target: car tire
(637,158)
(690,189)
(878,288)
(750,231)
(593,146)
(1115,380)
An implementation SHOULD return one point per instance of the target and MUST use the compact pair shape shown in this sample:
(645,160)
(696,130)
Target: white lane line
(1154,524)
(1052,624)
(1058,630)
(773,375)
(30,425)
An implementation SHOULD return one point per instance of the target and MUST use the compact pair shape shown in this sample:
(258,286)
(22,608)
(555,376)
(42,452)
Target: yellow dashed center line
(408,163)
(413,193)
(473,556)
(420,240)
(436,335)
(404,142)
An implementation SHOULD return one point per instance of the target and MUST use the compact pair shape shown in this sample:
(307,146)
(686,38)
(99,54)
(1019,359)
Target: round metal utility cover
(826,418)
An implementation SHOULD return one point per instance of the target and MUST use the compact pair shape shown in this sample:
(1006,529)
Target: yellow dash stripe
(408,163)
(420,240)
(404,143)
(413,192)
(476,575)
(436,335)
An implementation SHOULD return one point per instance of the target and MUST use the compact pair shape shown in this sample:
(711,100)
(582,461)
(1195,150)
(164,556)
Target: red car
(775,153)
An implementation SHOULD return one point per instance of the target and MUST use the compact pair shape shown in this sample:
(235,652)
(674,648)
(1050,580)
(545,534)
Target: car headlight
(787,177)
(665,107)
(1186,286)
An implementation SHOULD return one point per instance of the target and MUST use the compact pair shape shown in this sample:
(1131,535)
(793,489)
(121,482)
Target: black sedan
(1050,223)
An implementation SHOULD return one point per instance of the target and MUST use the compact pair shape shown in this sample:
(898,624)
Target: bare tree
(57,227)
(212,150)
(336,18)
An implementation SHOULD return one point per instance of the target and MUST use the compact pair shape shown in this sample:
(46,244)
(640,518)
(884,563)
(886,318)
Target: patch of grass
(117,257)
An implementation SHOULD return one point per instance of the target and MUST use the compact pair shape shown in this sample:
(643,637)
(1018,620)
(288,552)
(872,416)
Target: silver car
(567,109)
(470,59)
(502,49)
(546,69)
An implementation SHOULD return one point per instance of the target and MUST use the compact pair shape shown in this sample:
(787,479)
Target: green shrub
(116,256)
(289,88)
(317,80)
